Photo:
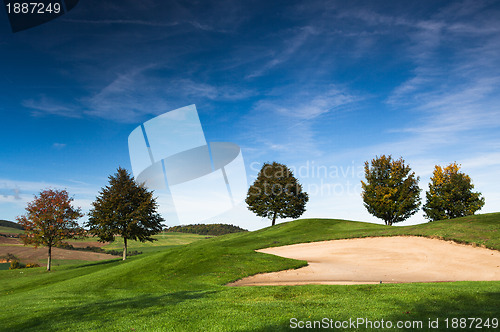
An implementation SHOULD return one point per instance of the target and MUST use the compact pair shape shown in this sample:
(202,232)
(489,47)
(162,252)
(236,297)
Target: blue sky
(321,86)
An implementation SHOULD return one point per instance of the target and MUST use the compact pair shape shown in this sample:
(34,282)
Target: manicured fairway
(182,288)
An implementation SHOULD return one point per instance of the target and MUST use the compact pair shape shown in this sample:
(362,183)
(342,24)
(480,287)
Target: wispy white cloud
(137,93)
(286,124)
(133,95)
(128,97)
(32,187)
(308,105)
(147,23)
(122,21)
(220,16)
(59,145)
(373,18)
(191,88)
(288,49)
(15,194)
(10,192)
(455,87)
(297,77)
(465,9)
(47,105)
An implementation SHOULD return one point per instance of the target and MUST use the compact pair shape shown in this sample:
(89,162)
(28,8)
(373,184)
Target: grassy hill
(11,224)
(10,227)
(182,288)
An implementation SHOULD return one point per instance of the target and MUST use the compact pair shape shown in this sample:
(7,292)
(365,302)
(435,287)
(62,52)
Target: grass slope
(10,230)
(182,288)
(10,224)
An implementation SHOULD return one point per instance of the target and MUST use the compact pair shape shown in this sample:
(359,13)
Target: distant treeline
(210,229)
(6,223)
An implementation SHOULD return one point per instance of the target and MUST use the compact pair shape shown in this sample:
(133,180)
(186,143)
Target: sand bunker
(386,259)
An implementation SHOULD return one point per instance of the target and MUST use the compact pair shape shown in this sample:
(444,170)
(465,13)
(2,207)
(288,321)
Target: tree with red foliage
(49,220)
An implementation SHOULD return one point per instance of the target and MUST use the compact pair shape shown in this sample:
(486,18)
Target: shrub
(65,245)
(30,265)
(15,264)
(8,257)
(119,252)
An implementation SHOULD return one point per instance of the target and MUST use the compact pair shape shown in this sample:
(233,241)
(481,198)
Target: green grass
(10,230)
(182,288)
(10,224)
(163,241)
(57,262)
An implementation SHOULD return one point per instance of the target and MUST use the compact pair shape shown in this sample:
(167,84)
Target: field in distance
(164,240)
(30,254)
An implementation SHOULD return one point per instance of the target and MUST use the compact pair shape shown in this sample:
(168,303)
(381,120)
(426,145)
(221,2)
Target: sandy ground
(387,259)
(29,254)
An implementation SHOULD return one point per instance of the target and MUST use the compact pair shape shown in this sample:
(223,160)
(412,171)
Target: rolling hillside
(9,227)
(182,288)
(11,224)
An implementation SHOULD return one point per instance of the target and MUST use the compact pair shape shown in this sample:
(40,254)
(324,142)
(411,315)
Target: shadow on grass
(417,315)
(113,260)
(480,304)
(98,314)
(455,300)
(484,305)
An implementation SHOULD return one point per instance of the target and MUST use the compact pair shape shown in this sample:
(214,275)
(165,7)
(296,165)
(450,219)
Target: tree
(450,194)
(50,218)
(391,190)
(276,193)
(124,208)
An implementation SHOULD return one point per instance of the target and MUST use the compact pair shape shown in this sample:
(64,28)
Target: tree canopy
(450,194)
(50,218)
(276,193)
(124,208)
(391,190)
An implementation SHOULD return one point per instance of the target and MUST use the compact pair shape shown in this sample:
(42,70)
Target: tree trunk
(49,259)
(124,248)
(274,219)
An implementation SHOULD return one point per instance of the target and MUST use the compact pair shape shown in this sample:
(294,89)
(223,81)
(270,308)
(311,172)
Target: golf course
(184,287)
